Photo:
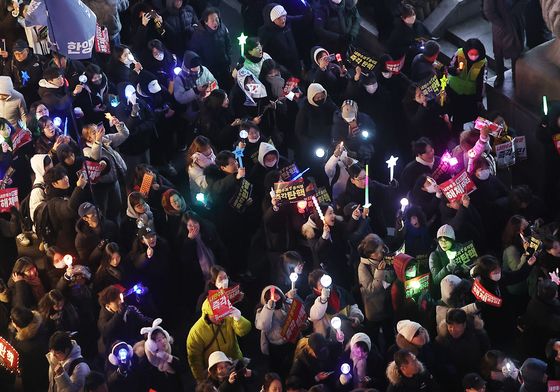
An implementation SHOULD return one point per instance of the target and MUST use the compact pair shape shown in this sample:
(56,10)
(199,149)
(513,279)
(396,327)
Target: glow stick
(367,204)
(316,204)
(545,105)
(391,163)
(298,176)
(242,39)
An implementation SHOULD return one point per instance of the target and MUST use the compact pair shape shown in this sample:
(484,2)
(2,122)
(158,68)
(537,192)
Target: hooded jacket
(213,47)
(452,289)
(63,213)
(57,99)
(68,382)
(179,25)
(423,381)
(471,77)
(204,338)
(37,195)
(271,320)
(88,240)
(314,120)
(335,169)
(13,108)
(373,287)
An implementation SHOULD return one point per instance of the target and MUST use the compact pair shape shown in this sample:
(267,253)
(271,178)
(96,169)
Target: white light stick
(293,279)
(67,260)
(326,281)
(404,203)
(391,163)
(316,204)
(336,323)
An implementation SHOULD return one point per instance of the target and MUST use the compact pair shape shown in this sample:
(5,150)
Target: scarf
(481,294)
(425,163)
(206,257)
(334,301)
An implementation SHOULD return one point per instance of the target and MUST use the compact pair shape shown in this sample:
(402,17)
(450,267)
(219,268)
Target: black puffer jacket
(88,241)
(63,213)
(213,47)
(179,26)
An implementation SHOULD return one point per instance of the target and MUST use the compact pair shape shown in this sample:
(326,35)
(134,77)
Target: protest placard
(295,320)
(520,145)
(102,42)
(458,186)
(94,170)
(466,254)
(219,303)
(146,185)
(8,199)
(553,385)
(418,285)
(322,195)
(243,194)
(481,123)
(289,172)
(9,357)
(290,192)
(395,66)
(443,166)
(20,138)
(234,294)
(430,87)
(505,154)
(359,57)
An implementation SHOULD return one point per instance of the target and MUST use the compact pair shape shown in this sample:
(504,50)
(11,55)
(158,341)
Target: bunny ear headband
(156,326)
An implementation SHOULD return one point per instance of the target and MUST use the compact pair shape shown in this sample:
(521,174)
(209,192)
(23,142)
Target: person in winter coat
(12,103)
(277,38)
(425,162)
(248,96)
(254,56)
(269,159)
(417,239)
(67,367)
(406,267)
(314,359)
(212,43)
(123,369)
(100,148)
(108,15)
(174,207)
(164,369)
(58,314)
(336,24)
(541,321)
(94,99)
(51,136)
(31,342)
(455,294)
(460,350)
(515,242)
(351,127)
(324,303)
(159,60)
(120,70)
(500,373)
(94,232)
(508,33)
(200,155)
(27,286)
(216,120)
(373,278)
(110,270)
(24,68)
(490,289)
(118,320)
(138,213)
(466,81)
(40,163)
(270,319)
(422,68)
(442,259)
(209,334)
(413,337)
(192,84)
(533,376)
(179,22)
(336,169)
(407,374)
(472,145)
(55,94)
(63,207)
(327,73)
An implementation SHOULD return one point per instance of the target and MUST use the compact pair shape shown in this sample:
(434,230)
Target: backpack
(43,224)
(25,210)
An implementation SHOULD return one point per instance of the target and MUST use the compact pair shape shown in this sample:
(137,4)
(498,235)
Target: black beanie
(51,73)
(21,317)
(431,48)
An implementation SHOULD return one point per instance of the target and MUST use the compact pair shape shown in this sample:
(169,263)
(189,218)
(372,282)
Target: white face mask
(223,284)
(431,188)
(410,20)
(371,88)
(271,163)
(253,140)
(129,59)
(159,56)
(387,75)
(483,174)
(154,87)
(496,277)
(336,1)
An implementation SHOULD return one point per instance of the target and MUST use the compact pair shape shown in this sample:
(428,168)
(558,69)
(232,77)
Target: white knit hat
(360,337)
(446,231)
(312,90)
(408,329)
(276,12)
(217,357)
(447,285)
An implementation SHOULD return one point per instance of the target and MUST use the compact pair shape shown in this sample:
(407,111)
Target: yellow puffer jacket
(201,342)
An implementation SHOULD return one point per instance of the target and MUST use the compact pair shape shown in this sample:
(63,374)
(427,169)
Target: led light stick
(367,204)
(345,369)
(67,260)
(336,323)
(391,163)
(326,281)
(404,203)
(238,152)
(545,105)
(242,39)
(320,152)
(177,70)
(57,121)
(298,176)
(293,279)
(321,216)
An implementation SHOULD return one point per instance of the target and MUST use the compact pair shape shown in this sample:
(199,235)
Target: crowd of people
(175,217)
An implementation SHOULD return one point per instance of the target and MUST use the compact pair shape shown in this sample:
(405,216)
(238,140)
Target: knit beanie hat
(51,73)
(276,12)
(408,329)
(349,110)
(448,284)
(312,90)
(360,337)
(317,51)
(533,370)
(446,231)
(431,48)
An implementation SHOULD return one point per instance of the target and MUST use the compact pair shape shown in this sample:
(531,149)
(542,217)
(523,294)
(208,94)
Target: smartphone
(4,44)
(338,57)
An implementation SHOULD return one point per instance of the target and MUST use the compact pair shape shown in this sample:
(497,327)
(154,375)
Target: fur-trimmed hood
(394,375)
(402,343)
(32,329)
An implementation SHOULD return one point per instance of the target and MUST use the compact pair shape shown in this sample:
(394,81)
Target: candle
(391,163)
(367,204)
(461,66)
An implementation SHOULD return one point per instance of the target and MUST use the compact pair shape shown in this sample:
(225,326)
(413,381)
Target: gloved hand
(236,314)
(325,293)
(165,356)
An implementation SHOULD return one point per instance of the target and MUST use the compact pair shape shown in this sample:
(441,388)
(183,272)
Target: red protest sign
(458,186)
(219,303)
(234,294)
(553,385)
(20,138)
(556,141)
(481,123)
(395,66)
(102,44)
(483,295)
(8,199)
(9,357)
(295,321)
(94,170)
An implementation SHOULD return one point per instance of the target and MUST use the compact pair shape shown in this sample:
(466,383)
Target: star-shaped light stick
(242,39)
(238,152)
(391,163)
